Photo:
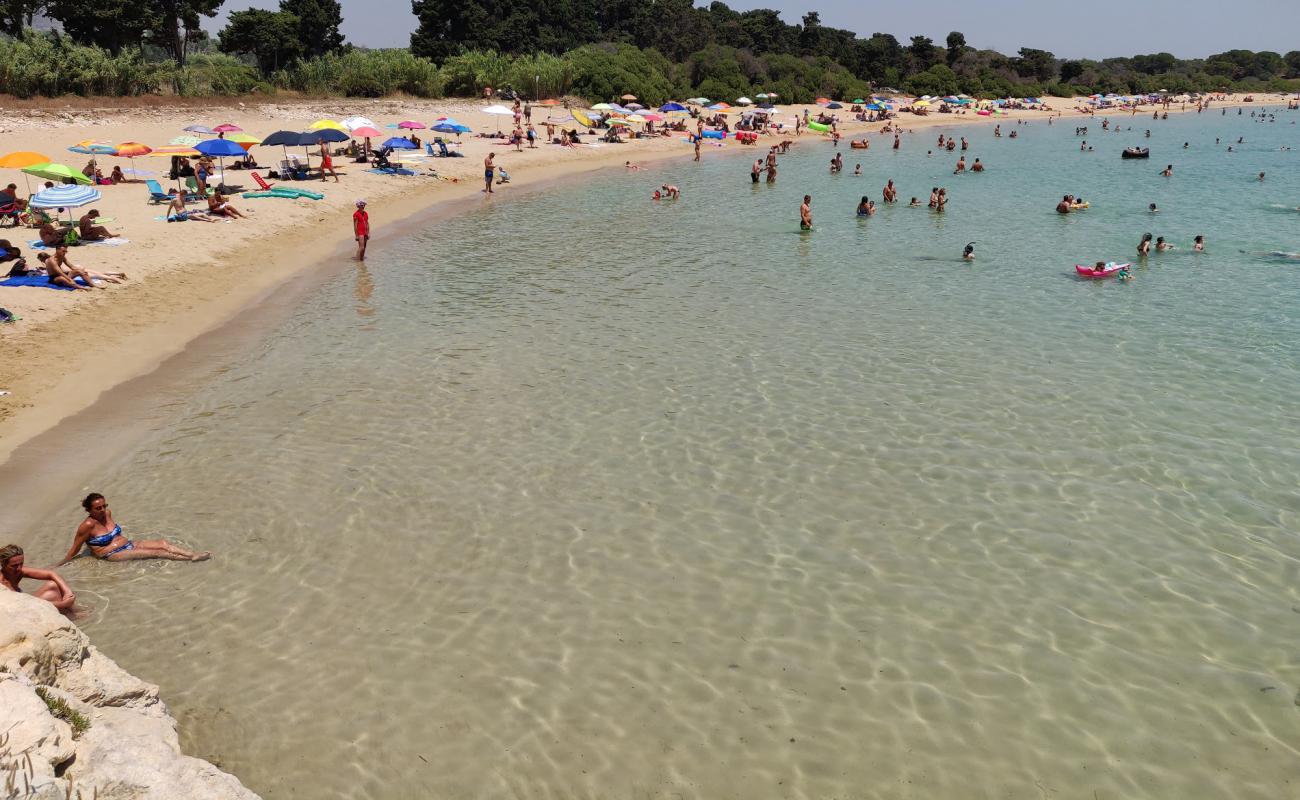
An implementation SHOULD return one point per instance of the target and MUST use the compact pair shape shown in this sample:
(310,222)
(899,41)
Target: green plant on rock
(61,710)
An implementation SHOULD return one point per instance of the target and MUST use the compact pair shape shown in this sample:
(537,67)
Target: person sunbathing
(177,212)
(52,235)
(13,569)
(89,231)
(219,205)
(60,258)
(116,176)
(10,253)
(104,537)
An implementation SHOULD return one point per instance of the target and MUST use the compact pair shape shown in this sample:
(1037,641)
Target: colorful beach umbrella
(93,147)
(186,141)
(451,126)
(602,107)
(220,148)
(411,125)
(227,127)
(23,158)
(323,124)
(132,150)
(56,172)
(366,132)
(244,140)
(666,107)
(352,123)
(204,129)
(628,97)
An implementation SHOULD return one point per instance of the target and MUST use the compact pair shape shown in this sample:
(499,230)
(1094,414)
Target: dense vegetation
(598,49)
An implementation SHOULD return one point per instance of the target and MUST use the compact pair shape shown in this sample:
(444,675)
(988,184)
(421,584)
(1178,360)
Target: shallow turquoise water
(580,495)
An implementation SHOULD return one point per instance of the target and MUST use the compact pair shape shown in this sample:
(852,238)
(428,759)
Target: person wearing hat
(361,229)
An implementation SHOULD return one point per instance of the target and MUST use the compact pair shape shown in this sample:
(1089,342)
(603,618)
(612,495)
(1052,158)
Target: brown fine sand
(188,278)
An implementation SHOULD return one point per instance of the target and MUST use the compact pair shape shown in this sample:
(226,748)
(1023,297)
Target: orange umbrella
(24,158)
(822,100)
(131,150)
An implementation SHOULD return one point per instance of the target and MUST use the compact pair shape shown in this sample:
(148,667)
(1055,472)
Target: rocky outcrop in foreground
(72,721)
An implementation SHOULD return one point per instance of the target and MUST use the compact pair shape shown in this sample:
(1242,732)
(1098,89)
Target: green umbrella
(56,172)
(859,100)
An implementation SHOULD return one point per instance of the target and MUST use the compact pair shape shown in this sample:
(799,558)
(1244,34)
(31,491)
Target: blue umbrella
(450,126)
(67,196)
(875,107)
(220,148)
(398,143)
(672,107)
(323,135)
(283,138)
(834,105)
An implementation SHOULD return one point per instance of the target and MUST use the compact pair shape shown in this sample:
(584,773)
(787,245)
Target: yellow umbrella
(169,150)
(916,103)
(243,138)
(321,124)
(636,118)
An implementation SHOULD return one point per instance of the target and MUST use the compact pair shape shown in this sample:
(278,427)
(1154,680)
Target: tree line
(597,49)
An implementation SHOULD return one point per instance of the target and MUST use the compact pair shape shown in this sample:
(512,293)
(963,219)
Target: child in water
(968,254)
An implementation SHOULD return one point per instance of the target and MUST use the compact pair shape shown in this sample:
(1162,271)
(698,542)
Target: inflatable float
(817,126)
(1135,152)
(859,145)
(1109,271)
(581,118)
(746,137)
(714,135)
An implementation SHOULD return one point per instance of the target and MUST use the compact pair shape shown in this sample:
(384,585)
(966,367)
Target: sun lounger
(156,193)
(263,185)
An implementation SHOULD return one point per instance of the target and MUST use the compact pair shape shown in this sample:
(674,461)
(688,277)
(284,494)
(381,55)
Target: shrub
(61,710)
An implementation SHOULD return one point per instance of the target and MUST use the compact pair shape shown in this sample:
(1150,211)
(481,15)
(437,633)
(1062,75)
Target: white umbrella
(744,101)
(498,111)
(352,123)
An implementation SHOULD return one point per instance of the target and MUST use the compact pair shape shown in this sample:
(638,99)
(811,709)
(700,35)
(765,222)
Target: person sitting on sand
(88,231)
(13,569)
(177,212)
(104,537)
(61,276)
(1144,246)
(117,175)
(52,235)
(66,267)
(220,206)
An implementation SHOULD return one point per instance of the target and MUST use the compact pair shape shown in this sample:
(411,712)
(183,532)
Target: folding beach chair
(156,193)
(11,211)
(192,184)
(261,184)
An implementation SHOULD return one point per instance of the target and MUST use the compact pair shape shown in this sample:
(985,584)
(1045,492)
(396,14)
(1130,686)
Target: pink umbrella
(650,116)
(227,127)
(365,133)
(412,126)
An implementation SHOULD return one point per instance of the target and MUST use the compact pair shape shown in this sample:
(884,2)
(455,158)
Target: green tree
(1292,60)
(176,22)
(956,46)
(271,37)
(318,24)
(924,53)
(1037,64)
(110,24)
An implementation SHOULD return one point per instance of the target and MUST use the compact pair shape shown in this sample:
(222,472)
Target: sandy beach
(185,279)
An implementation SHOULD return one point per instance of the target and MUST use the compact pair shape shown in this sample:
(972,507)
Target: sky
(1090,29)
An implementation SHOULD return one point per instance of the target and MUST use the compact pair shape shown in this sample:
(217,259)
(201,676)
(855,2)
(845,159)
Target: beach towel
(392,171)
(114,242)
(40,281)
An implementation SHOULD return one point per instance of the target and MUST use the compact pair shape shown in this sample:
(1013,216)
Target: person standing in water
(361,229)
(1144,246)
(805,213)
(489,169)
(1167,172)
(755,170)
(968,254)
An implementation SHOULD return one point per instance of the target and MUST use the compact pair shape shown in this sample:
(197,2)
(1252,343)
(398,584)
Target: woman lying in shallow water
(104,537)
(13,569)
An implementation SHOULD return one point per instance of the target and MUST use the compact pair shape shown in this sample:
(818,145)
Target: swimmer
(1261,176)
(1151,209)
(857,169)
(54,590)
(1124,275)
(977,166)
(104,537)
(805,213)
(1144,246)
(1198,243)
(914,204)
(968,253)
(864,207)
(631,166)
(961,165)
(670,191)
(1065,205)
(1167,171)
(1162,245)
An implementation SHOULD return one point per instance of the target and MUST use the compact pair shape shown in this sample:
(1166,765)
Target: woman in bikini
(104,537)
(13,570)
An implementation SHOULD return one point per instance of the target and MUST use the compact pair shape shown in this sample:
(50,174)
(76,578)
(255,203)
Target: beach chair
(444,152)
(261,184)
(11,211)
(156,193)
(193,193)
(428,149)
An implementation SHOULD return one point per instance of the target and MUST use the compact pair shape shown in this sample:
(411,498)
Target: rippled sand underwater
(582,496)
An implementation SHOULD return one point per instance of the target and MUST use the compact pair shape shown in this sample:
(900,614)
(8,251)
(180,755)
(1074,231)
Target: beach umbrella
(173,150)
(323,135)
(199,129)
(699,101)
(762,95)
(548,102)
(220,148)
(132,150)
(672,107)
(636,118)
(324,124)
(227,127)
(282,138)
(68,197)
(411,125)
(498,111)
(920,103)
(858,100)
(875,107)
(244,140)
(399,143)
(352,123)
(366,132)
(650,116)
(186,141)
(821,101)
(634,106)
(834,105)
(23,158)
(619,123)
(92,147)
(628,97)
(451,126)
(56,172)
(744,101)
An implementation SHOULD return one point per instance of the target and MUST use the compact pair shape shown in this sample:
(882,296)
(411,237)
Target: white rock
(130,751)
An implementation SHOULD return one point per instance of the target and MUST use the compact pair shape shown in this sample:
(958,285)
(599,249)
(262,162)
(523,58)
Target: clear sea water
(576,495)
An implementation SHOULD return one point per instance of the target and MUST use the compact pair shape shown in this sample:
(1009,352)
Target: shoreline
(53,377)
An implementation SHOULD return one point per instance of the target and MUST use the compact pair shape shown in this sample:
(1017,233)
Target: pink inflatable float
(1108,271)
